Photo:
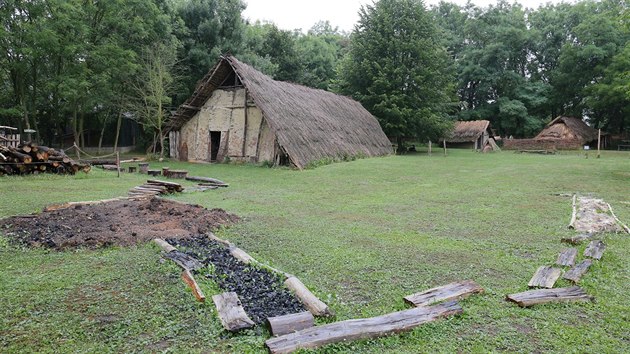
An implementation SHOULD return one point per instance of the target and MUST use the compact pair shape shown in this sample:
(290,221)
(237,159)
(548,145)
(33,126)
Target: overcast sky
(292,14)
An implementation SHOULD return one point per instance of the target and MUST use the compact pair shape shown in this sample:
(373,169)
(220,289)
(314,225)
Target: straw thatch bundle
(568,128)
(308,124)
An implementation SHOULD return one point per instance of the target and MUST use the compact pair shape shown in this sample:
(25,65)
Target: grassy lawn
(361,235)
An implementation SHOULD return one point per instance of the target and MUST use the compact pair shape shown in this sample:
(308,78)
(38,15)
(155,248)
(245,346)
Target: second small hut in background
(475,135)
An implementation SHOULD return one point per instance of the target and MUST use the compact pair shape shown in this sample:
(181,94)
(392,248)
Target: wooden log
(545,277)
(74,204)
(574,274)
(350,330)
(567,257)
(165,171)
(154,172)
(132,169)
(624,226)
(144,167)
(452,291)
(231,312)
(190,280)
(206,180)
(181,174)
(595,249)
(574,214)
(183,260)
(240,255)
(286,324)
(215,238)
(172,185)
(312,303)
(166,247)
(543,296)
(576,240)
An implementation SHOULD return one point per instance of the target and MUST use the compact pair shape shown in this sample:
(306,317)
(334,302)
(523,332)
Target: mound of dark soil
(261,292)
(124,223)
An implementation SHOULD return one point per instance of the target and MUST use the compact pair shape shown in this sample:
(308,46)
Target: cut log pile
(31,158)
(155,187)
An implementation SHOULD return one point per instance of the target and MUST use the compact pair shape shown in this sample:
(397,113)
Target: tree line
(71,66)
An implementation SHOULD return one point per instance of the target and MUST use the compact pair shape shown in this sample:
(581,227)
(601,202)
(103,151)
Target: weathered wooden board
(373,327)
(231,312)
(567,257)
(183,260)
(595,249)
(192,283)
(166,247)
(544,277)
(543,296)
(574,274)
(286,324)
(312,303)
(576,240)
(240,255)
(452,291)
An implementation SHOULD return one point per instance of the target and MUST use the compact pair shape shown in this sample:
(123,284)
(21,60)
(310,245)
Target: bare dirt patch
(122,223)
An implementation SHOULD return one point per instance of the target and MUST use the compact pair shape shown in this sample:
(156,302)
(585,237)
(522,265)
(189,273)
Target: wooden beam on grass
(312,303)
(183,260)
(576,240)
(364,328)
(543,296)
(624,226)
(574,274)
(165,246)
(452,291)
(240,255)
(544,277)
(567,257)
(231,312)
(190,280)
(595,249)
(281,325)
(574,213)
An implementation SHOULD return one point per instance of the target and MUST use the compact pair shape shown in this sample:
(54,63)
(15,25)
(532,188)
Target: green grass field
(360,234)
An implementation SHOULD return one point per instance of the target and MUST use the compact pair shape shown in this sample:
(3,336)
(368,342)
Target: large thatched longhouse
(284,123)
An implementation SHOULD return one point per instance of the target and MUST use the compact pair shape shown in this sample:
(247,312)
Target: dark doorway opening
(215,142)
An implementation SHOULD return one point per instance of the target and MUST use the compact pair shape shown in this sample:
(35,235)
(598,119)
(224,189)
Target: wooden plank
(206,180)
(544,277)
(190,280)
(240,255)
(574,274)
(183,260)
(286,324)
(567,257)
(312,303)
(574,213)
(231,312)
(595,249)
(166,247)
(543,296)
(576,240)
(452,291)
(365,328)
(624,226)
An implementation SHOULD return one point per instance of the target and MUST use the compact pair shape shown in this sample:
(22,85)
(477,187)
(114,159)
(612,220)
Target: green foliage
(398,69)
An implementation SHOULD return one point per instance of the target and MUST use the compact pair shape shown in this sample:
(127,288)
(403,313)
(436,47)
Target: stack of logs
(155,187)
(31,158)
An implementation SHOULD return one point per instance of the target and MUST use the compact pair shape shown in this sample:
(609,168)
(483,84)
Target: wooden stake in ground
(544,277)
(599,139)
(349,330)
(567,257)
(595,249)
(231,312)
(574,274)
(286,324)
(452,291)
(429,147)
(543,296)
(444,143)
(118,163)
(312,303)
(190,280)
(574,214)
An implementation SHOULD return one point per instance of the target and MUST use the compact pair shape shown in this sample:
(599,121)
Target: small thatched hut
(469,134)
(238,113)
(569,129)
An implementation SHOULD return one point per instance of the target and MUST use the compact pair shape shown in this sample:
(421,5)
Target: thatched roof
(465,131)
(310,124)
(567,128)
